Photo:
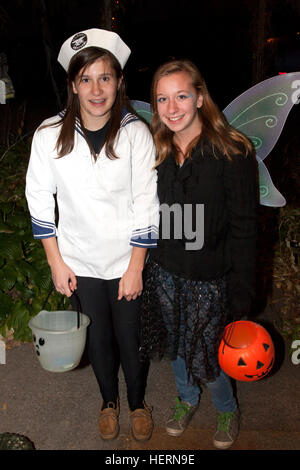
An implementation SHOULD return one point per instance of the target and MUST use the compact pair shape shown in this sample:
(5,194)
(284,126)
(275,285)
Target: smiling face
(96,87)
(177,103)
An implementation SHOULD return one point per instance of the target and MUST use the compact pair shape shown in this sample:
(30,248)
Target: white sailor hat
(94,38)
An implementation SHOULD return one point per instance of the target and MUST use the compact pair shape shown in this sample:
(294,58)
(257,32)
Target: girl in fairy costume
(203,266)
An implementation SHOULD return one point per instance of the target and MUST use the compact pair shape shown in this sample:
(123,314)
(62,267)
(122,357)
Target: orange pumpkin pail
(246,351)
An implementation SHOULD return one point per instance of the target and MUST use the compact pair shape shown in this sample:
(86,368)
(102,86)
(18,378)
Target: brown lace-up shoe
(141,423)
(108,424)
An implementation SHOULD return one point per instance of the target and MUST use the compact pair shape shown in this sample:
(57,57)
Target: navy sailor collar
(126,118)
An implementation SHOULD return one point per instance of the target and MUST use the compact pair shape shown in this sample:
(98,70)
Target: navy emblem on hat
(79,41)
(94,37)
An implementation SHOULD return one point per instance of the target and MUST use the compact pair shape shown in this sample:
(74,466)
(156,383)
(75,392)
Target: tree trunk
(49,49)
(106,15)
(259,38)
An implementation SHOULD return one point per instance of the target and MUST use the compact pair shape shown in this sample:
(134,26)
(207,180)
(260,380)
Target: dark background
(235,43)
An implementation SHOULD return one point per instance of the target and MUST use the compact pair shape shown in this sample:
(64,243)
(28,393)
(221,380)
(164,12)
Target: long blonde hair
(215,127)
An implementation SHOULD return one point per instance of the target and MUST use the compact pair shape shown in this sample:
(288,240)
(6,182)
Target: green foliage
(286,273)
(12,441)
(26,285)
(25,279)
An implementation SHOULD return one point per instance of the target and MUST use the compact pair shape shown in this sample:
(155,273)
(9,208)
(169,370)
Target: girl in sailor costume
(97,158)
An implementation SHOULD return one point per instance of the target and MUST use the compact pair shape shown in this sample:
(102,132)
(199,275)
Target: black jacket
(228,191)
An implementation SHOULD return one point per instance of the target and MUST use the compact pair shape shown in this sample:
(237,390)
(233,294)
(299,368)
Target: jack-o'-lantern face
(257,368)
(246,351)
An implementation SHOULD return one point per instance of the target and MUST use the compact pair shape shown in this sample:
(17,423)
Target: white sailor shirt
(105,207)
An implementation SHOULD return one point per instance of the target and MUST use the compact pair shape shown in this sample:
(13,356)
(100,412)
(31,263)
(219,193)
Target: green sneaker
(227,429)
(182,415)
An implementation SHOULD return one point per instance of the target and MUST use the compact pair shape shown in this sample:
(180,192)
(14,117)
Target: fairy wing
(260,113)
(268,194)
(143,109)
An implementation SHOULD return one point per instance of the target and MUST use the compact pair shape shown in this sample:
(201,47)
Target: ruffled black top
(228,191)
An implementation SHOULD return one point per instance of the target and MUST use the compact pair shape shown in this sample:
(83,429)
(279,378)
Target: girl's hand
(130,285)
(64,278)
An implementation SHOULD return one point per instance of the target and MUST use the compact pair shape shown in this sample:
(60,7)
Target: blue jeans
(221,389)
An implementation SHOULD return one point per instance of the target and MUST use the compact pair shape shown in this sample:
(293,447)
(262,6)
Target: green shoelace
(180,410)
(224,420)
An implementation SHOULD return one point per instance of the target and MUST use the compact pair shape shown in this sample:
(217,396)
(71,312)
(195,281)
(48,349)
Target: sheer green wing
(260,113)
(268,194)
(143,109)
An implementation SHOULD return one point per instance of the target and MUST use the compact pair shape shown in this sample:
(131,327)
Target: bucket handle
(76,297)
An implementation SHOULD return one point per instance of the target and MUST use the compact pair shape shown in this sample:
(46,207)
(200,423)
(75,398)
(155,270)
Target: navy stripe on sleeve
(145,237)
(42,229)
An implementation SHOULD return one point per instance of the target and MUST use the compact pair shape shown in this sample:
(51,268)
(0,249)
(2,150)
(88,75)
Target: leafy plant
(286,273)
(26,285)
(13,441)
(25,279)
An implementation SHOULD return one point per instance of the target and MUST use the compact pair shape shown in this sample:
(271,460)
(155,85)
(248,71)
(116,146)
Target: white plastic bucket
(59,338)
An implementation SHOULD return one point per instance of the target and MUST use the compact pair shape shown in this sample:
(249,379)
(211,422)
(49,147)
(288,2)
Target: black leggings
(113,338)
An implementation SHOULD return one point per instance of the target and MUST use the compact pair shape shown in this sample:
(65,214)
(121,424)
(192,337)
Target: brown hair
(80,61)
(215,127)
